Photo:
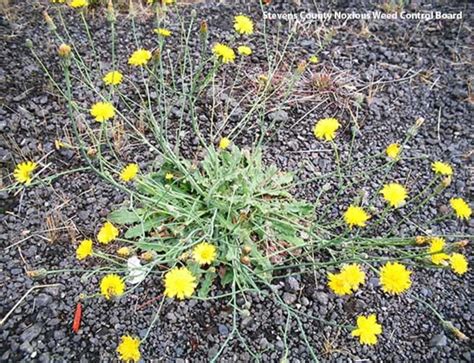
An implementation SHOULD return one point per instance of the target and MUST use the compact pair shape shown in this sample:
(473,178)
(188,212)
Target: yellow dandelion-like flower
(23,172)
(224,143)
(395,194)
(112,285)
(243,24)
(223,52)
(395,278)
(325,129)
(163,32)
(339,284)
(436,251)
(354,275)
(107,233)
(355,216)
(84,249)
(102,111)
(442,168)
(204,253)
(461,208)
(367,329)
(129,172)
(113,78)
(458,263)
(78,3)
(393,151)
(313,59)
(244,50)
(179,283)
(169,176)
(140,57)
(129,349)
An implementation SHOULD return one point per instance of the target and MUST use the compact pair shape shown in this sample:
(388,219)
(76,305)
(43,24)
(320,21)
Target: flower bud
(148,256)
(301,67)
(446,182)
(123,252)
(28,43)
(421,240)
(246,249)
(245,260)
(64,50)
(49,21)
(110,12)
(203,29)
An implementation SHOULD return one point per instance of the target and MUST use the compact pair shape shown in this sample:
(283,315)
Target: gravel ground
(411,69)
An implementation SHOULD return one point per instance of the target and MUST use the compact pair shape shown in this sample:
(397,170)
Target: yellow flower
(102,111)
(179,282)
(355,216)
(339,284)
(23,172)
(112,285)
(458,263)
(123,251)
(395,194)
(393,150)
(78,3)
(367,329)
(461,208)
(129,349)
(107,233)
(84,249)
(64,50)
(442,168)
(204,253)
(169,176)
(353,275)
(394,278)
(436,251)
(244,50)
(139,57)
(223,52)
(313,59)
(224,143)
(129,172)
(113,78)
(163,32)
(325,129)
(243,24)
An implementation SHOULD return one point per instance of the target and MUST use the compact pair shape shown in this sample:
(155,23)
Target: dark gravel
(420,69)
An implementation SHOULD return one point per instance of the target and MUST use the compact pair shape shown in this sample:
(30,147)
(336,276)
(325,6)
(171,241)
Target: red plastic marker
(77,318)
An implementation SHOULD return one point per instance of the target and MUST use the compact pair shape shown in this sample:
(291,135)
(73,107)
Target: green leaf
(206,284)
(228,277)
(140,229)
(125,216)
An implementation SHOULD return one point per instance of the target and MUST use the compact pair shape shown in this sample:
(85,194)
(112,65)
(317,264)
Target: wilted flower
(179,283)
(23,172)
(102,111)
(224,53)
(243,24)
(139,57)
(356,216)
(458,263)
(394,278)
(107,233)
(64,50)
(129,349)
(367,329)
(395,194)
(112,285)
(163,32)
(204,253)
(84,249)
(244,50)
(123,252)
(325,129)
(129,172)
(113,78)
(421,240)
(461,208)
(393,151)
(224,143)
(442,168)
